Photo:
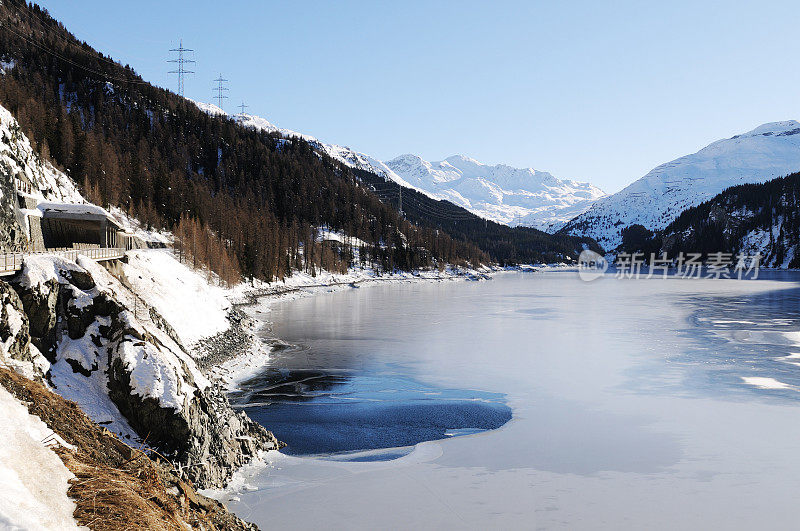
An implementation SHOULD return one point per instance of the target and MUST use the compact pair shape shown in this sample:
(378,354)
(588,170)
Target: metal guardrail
(12,262)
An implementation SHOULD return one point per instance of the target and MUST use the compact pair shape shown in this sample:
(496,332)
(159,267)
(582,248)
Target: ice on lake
(635,404)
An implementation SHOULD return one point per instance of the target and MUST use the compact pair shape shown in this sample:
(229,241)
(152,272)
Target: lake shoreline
(241,351)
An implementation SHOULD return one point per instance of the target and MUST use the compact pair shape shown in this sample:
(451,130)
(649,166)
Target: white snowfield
(512,196)
(768,151)
(33,479)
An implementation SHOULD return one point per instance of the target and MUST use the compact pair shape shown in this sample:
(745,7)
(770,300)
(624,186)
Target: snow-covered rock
(124,369)
(768,151)
(16,350)
(18,158)
(512,196)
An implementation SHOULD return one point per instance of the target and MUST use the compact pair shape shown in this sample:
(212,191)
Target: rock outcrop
(124,371)
(12,234)
(16,349)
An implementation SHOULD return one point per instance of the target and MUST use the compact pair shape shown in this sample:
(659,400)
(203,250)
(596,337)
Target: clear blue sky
(597,91)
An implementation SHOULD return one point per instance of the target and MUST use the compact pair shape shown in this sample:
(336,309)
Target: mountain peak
(407,157)
(501,193)
(775,128)
(453,159)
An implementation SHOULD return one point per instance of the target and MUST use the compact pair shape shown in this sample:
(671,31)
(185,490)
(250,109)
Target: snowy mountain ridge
(770,150)
(512,196)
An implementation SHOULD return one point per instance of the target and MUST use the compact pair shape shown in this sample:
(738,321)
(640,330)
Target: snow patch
(33,479)
(765,383)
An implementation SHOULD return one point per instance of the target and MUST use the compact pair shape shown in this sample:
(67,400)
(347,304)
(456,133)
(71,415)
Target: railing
(12,262)
(22,186)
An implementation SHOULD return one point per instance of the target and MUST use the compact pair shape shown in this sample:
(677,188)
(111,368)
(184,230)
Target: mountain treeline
(260,197)
(747,218)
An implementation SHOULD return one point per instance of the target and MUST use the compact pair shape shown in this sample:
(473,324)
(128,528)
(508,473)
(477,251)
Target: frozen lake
(656,404)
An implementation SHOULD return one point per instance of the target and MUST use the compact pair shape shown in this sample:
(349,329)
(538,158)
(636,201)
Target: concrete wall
(37,238)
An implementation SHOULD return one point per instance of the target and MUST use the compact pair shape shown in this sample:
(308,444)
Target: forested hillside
(751,218)
(252,198)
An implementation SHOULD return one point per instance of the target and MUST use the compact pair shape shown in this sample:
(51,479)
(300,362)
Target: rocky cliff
(75,326)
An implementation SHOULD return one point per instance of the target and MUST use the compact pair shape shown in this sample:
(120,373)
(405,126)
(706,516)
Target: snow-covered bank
(176,291)
(245,293)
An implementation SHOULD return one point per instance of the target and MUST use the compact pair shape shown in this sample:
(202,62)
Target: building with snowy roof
(75,225)
(60,225)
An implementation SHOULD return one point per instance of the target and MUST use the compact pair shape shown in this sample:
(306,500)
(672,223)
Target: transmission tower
(220,90)
(402,213)
(242,107)
(181,60)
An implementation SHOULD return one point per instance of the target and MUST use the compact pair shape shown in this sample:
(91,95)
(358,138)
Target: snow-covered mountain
(750,219)
(768,151)
(500,193)
(514,196)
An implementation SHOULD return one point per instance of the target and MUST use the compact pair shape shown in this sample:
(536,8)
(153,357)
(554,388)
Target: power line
(429,209)
(181,60)
(220,90)
(47,26)
(97,73)
(446,214)
(433,205)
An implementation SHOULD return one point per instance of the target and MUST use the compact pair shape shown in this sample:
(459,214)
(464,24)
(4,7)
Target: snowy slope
(769,151)
(174,290)
(33,479)
(499,193)
(513,196)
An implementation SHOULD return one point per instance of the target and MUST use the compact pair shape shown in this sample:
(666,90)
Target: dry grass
(117,487)
(108,498)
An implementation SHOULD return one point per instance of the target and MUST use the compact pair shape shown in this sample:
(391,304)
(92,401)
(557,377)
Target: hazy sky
(597,91)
